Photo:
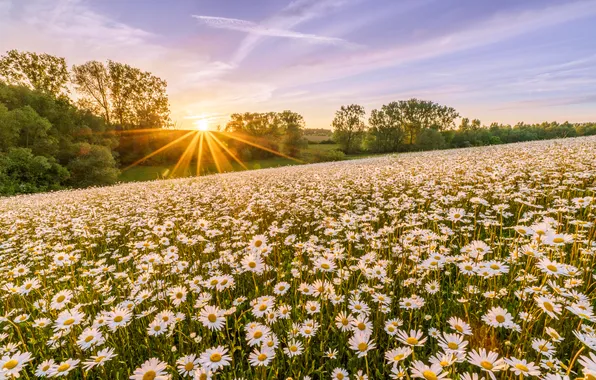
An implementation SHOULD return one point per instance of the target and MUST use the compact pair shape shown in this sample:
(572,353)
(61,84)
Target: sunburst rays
(202,142)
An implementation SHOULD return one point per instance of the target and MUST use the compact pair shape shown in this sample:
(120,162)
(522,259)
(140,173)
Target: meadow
(458,264)
(144,172)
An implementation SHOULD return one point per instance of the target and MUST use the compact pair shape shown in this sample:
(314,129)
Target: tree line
(57,123)
(76,126)
(413,125)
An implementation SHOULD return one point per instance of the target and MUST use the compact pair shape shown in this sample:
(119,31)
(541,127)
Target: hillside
(369,266)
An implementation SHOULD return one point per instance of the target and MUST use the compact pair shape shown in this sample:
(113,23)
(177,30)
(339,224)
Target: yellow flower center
(149,375)
(551,267)
(118,318)
(500,318)
(398,357)
(212,318)
(411,340)
(325,266)
(362,346)
(189,366)
(10,364)
(69,322)
(258,334)
(452,346)
(429,375)
(486,365)
(262,357)
(521,367)
(60,298)
(89,338)
(215,357)
(548,306)
(63,367)
(99,359)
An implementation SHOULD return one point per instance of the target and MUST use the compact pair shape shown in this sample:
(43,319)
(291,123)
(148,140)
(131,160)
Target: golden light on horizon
(221,155)
(202,125)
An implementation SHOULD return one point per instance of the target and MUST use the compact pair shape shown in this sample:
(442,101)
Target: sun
(202,124)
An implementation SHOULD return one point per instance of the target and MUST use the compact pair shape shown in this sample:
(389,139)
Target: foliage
(326,155)
(267,129)
(430,139)
(293,133)
(349,127)
(42,72)
(122,95)
(94,165)
(51,129)
(386,128)
(422,125)
(22,172)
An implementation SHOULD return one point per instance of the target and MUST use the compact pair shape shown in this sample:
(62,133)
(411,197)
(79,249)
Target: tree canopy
(349,127)
(42,72)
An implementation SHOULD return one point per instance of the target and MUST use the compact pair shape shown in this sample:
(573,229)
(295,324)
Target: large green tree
(292,125)
(268,129)
(122,94)
(386,128)
(349,127)
(92,81)
(419,114)
(42,72)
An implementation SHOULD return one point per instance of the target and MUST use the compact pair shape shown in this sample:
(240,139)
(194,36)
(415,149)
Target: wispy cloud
(263,30)
(294,14)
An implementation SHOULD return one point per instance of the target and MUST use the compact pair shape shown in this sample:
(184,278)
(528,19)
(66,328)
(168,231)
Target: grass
(153,172)
(317,138)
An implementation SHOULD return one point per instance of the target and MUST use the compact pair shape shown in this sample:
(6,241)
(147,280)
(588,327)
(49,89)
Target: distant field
(153,172)
(317,138)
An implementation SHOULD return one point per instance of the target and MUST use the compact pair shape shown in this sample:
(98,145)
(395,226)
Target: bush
(94,165)
(430,139)
(21,172)
(328,142)
(328,155)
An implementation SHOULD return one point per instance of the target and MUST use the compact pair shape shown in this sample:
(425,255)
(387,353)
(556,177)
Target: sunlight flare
(168,145)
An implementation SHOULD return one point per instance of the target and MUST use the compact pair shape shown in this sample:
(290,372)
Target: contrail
(253,28)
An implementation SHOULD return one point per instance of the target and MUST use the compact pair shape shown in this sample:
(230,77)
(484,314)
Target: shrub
(94,165)
(21,172)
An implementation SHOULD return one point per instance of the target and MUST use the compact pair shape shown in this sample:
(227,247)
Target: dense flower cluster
(465,264)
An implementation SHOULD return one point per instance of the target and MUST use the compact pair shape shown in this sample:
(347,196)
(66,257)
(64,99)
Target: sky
(498,61)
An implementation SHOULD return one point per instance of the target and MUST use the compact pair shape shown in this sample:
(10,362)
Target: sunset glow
(514,60)
(202,125)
